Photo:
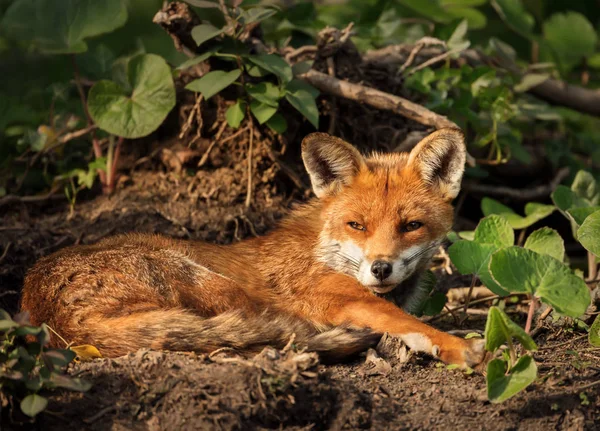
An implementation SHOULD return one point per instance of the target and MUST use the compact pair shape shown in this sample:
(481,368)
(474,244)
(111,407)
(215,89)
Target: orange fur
(313,273)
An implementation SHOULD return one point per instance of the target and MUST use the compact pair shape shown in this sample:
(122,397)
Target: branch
(528,194)
(376,98)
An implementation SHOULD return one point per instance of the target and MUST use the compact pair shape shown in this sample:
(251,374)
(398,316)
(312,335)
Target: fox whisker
(420,253)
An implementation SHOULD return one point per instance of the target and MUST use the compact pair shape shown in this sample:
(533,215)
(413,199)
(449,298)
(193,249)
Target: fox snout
(381,269)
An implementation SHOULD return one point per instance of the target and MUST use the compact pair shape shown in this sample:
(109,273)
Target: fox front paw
(464,353)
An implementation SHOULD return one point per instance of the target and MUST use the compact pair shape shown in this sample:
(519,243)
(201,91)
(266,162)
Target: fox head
(385,215)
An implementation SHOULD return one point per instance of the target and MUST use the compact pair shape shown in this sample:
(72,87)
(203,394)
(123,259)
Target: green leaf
(499,329)
(59,357)
(502,386)
(471,257)
(6,324)
(571,37)
(589,233)
(579,215)
(139,112)
(213,82)
(256,14)
(495,230)
(274,64)
(262,111)
(586,188)
(193,61)
(594,334)
(534,212)
(277,123)
(513,13)
(563,197)
(305,103)
(62,26)
(457,38)
(546,241)
(33,404)
(235,113)
(296,85)
(203,32)
(265,92)
(301,67)
(531,80)
(518,269)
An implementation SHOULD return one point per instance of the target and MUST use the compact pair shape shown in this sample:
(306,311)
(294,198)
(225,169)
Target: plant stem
(468,300)
(249,191)
(95,143)
(112,159)
(533,303)
(592,267)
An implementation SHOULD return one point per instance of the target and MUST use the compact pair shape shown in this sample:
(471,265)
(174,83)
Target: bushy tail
(178,329)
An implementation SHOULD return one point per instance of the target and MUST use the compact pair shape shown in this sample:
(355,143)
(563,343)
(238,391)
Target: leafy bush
(28,367)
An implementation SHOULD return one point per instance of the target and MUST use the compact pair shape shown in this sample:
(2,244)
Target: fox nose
(381,269)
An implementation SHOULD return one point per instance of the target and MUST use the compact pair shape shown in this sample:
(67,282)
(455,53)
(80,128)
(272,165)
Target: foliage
(510,374)
(28,367)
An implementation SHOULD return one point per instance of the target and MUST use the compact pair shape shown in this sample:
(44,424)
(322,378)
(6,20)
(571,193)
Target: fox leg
(360,308)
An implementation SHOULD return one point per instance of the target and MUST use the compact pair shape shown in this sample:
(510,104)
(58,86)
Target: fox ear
(440,160)
(330,162)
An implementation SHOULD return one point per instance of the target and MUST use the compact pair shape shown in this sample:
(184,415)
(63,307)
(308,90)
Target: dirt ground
(185,187)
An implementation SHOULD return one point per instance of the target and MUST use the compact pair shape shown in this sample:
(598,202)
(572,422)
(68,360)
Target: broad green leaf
(305,103)
(213,82)
(467,234)
(430,9)
(265,92)
(513,13)
(193,61)
(471,257)
(499,329)
(563,197)
(277,123)
(298,85)
(256,14)
(33,404)
(235,113)
(475,19)
(594,334)
(579,215)
(139,112)
(585,187)
(531,80)
(571,37)
(301,67)
(203,32)
(518,269)
(274,64)
(261,111)
(546,241)
(589,233)
(501,386)
(495,230)
(534,212)
(62,26)
(7,324)
(59,357)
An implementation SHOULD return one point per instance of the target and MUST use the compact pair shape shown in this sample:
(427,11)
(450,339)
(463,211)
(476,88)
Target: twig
(58,335)
(478,301)
(333,116)
(434,60)
(470,292)
(376,98)
(564,343)
(592,267)
(586,386)
(532,306)
(306,49)
(5,252)
(249,191)
(10,199)
(95,143)
(528,194)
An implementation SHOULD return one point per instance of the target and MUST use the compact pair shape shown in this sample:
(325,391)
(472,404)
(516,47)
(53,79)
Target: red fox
(375,224)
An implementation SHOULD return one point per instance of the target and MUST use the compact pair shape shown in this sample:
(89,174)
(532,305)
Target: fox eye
(413,225)
(356,226)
